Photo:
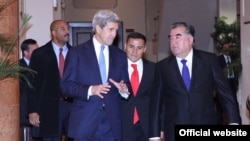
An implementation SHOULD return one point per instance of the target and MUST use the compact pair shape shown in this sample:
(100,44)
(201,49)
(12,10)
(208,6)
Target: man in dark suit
(27,47)
(225,61)
(135,47)
(96,110)
(188,85)
(48,107)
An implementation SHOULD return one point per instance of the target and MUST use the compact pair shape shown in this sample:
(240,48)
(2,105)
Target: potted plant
(8,67)
(228,33)
(10,71)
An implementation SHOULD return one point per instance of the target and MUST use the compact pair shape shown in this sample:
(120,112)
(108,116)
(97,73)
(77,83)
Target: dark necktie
(230,72)
(228,60)
(185,74)
(61,67)
(135,86)
(102,65)
(61,62)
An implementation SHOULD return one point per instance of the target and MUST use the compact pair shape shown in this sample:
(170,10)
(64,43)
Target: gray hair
(102,17)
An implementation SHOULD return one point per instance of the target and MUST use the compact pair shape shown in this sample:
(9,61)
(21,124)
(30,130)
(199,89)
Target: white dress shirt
(57,51)
(189,63)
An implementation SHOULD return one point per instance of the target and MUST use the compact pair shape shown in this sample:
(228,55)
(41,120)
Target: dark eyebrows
(176,35)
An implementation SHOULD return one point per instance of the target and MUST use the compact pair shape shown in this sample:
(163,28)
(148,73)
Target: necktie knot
(60,50)
(183,61)
(134,66)
(135,79)
(102,48)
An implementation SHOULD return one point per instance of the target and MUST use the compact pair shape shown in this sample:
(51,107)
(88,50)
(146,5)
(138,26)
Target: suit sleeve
(69,86)
(156,116)
(227,99)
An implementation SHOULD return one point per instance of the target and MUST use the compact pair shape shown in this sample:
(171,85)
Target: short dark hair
(136,35)
(189,28)
(25,44)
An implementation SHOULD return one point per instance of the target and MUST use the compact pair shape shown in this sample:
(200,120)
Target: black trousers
(26,134)
(136,134)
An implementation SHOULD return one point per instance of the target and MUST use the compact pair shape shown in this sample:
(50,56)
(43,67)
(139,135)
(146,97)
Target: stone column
(9,88)
(245,59)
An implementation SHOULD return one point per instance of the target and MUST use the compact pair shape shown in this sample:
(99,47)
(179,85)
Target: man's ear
(98,28)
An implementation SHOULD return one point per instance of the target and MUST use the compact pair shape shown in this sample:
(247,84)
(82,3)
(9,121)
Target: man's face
(28,53)
(180,42)
(226,48)
(107,34)
(135,49)
(61,33)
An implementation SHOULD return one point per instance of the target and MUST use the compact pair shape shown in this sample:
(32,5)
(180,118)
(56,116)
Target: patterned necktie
(102,65)
(61,62)
(185,74)
(135,86)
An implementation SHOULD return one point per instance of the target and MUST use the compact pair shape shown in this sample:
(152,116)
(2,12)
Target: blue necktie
(102,65)
(185,74)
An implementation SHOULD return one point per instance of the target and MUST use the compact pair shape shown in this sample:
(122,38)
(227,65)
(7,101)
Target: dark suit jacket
(232,82)
(82,71)
(44,99)
(141,101)
(24,89)
(195,106)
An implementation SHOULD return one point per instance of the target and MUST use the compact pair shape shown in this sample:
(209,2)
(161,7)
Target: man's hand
(98,90)
(34,119)
(121,86)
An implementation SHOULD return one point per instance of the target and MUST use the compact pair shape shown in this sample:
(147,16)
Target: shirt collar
(96,43)
(56,47)
(26,60)
(139,62)
(189,57)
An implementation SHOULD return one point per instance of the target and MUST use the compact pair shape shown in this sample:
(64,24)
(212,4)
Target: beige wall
(131,12)
(42,15)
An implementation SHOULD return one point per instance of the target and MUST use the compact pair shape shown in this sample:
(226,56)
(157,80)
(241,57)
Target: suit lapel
(52,58)
(23,63)
(113,61)
(144,80)
(196,68)
(91,57)
(175,72)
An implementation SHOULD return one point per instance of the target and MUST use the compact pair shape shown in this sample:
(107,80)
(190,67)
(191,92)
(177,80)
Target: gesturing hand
(121,86)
